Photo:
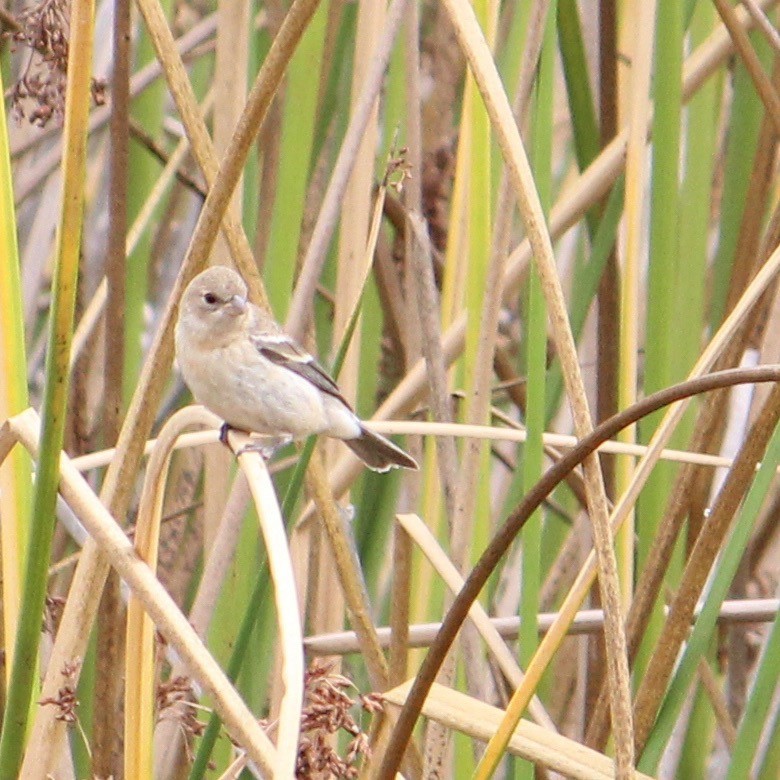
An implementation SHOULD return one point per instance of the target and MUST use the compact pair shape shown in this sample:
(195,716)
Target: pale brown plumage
(239,364)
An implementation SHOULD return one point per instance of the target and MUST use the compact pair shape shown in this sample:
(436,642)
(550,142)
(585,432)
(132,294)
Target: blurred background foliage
(652,132)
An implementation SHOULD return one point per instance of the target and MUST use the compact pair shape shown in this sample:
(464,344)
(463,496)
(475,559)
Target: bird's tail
(378,453)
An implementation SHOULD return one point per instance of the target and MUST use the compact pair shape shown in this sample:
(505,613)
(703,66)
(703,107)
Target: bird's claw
(266,446)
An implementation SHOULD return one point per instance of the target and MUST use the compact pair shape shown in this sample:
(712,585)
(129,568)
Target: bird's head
(214,305)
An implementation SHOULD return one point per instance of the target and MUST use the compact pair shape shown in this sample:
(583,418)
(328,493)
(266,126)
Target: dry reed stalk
(93,568)
(113,543)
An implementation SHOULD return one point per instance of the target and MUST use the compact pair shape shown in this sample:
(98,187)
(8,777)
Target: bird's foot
(266,446)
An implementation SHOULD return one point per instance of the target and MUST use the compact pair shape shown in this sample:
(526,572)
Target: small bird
(239,363)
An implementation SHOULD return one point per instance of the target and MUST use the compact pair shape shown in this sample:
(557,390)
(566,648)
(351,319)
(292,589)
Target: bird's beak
(238,305)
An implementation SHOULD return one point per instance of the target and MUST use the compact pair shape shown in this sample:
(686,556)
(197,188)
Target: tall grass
(451,207)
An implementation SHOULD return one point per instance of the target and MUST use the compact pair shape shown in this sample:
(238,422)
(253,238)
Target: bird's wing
(284,352)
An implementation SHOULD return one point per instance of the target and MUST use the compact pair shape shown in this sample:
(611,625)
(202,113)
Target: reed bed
(537,243)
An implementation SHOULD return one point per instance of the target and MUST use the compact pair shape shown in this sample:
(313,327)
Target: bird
(238,362)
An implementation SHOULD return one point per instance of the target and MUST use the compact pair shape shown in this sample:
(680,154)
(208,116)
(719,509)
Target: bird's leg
(223,433)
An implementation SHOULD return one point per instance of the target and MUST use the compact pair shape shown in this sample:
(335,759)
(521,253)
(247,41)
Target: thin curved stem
(514,523)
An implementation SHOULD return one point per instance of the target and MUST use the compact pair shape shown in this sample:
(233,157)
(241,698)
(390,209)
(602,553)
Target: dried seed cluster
(39,93)
(66,700)
(328,710)
(175,700)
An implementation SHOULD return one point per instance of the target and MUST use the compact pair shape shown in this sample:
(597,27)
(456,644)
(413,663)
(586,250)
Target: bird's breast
(251,393)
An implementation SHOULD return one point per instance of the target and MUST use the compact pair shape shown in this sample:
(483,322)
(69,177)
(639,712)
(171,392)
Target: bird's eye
(210,298)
